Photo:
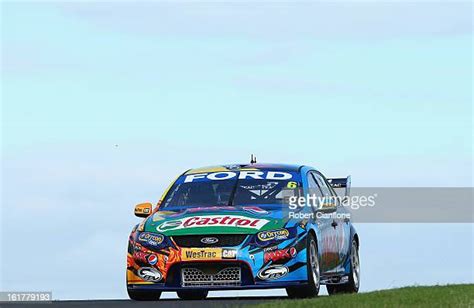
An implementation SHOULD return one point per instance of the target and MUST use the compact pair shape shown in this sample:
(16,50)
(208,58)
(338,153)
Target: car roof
(238,167)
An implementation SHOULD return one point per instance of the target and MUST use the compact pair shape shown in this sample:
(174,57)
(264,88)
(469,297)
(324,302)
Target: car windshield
(232,189)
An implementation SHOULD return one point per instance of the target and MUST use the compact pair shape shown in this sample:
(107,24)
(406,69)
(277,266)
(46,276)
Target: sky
(104,103)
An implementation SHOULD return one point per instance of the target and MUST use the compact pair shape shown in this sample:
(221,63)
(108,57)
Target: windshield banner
(242,175)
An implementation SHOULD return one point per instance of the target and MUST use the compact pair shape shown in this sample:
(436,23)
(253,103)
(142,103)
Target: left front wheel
(143,295)
(312,263)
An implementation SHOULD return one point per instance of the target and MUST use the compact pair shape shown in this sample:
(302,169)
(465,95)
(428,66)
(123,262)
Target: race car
(245,226)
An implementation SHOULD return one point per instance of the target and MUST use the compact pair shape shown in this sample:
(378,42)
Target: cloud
(279,20)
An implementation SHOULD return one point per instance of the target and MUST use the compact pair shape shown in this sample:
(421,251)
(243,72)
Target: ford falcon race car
(238,227)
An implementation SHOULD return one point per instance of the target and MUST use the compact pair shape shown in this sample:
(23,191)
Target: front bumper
(250,261)
(165,288)
(177,281)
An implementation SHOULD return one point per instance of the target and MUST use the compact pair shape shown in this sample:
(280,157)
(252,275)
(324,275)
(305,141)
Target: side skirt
(335,279)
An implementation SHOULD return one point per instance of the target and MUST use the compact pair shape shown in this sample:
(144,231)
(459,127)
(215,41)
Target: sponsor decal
(150,274)
(209,240)
(273,272)
(229,253)
(272,248)
(280,234)
(137,247)
(232,167)
(255,209)
(169,225)
(213,221)
(279,255)
(140,256)
(190,254)
(152,259)
(162,215)
(267,238)
(242,175)
(150,239)
(144,257)
(210,208)
(303,223)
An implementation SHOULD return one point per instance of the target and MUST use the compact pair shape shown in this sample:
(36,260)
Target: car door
(333,258)
(328,233)
(344,234)
(343,229)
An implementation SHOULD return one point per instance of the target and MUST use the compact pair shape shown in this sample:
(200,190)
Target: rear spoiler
(341,183)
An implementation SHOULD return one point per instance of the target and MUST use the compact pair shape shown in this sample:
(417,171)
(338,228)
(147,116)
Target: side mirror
(143,209)
(328,205)
(327,209)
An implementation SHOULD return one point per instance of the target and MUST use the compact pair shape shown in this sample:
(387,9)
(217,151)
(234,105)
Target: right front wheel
(352,285)
(312,263)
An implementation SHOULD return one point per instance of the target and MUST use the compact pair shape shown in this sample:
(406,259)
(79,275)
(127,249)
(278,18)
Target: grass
(436,296)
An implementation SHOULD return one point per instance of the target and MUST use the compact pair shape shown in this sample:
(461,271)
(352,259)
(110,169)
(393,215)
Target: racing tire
(352,285)
(312,263)
(192,294)
(143,295)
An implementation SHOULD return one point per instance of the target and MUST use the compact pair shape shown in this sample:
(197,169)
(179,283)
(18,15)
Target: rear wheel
(192,294)
(312,261)
(143,295)
(352,286)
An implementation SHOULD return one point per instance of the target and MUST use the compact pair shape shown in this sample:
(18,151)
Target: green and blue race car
(248,226)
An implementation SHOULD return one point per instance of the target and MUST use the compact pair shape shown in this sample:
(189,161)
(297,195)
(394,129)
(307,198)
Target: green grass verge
(435,296)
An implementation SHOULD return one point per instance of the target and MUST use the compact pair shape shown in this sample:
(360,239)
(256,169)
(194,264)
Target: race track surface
(168,303)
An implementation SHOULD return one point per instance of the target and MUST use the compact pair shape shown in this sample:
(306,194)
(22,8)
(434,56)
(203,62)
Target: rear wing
(341,183)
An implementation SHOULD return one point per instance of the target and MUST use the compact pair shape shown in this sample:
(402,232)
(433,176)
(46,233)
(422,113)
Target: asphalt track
(168,303)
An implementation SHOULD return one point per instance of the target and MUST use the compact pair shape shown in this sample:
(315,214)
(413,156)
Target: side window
(324,188)
(327,191)
(313,188)
(333,193)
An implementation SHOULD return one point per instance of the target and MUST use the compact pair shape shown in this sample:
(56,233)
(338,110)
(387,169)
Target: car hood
(215,220)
